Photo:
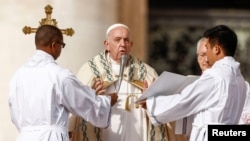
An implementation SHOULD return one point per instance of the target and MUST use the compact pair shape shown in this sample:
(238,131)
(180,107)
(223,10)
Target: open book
(168,83)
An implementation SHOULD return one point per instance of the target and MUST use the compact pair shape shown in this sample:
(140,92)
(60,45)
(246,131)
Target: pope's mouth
(123,52)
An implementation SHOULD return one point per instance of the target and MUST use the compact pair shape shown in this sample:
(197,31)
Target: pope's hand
(143,103)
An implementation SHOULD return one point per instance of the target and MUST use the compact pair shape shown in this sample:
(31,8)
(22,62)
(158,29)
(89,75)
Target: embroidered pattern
(163,133)
(97,133)
(131,68)
(105,66)
(84,131)
(142,70)
(94,68)
(152,133)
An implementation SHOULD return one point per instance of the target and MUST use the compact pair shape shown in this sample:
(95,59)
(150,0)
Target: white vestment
(217,97)
(41,96)
(245,116)
(128,120)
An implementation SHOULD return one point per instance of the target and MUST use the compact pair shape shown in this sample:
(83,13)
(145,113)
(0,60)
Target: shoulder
(141,65)
(64,73)
(139,61)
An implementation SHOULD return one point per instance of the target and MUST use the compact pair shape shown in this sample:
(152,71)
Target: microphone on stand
(123,62)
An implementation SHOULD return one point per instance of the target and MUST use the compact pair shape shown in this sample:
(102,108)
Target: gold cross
(48,20)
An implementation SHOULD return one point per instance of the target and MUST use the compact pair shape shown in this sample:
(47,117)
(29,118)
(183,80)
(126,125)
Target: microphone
(123,62)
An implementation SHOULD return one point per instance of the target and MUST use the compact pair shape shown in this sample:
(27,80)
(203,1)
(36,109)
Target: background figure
(128,120)
(215,95)
(42,94)
(201,54)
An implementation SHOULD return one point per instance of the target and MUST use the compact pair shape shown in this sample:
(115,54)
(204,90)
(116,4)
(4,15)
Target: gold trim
(127,107)
(107,83)
(138,84)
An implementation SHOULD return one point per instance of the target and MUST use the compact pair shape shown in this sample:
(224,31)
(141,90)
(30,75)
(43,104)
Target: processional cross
(48,21)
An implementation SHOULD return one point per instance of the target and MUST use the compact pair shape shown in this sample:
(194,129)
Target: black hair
(46,34)
(224,36)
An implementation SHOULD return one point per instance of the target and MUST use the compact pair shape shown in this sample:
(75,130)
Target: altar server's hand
(98,86)
(246,118)
(114,98)
(146,84)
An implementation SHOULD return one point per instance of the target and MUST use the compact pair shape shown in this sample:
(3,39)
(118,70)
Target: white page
(168,83)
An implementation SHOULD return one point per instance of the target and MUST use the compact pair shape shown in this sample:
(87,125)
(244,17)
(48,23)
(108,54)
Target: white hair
(202,39)
(115,26)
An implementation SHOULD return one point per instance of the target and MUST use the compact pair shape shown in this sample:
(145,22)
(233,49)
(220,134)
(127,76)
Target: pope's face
(118,43)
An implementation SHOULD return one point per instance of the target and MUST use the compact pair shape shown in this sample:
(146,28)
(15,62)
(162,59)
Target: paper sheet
(168,83)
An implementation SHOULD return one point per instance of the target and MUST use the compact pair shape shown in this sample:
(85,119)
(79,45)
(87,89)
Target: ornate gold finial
(46,21)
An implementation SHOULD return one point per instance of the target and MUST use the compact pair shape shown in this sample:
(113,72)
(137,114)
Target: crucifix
(46,21)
